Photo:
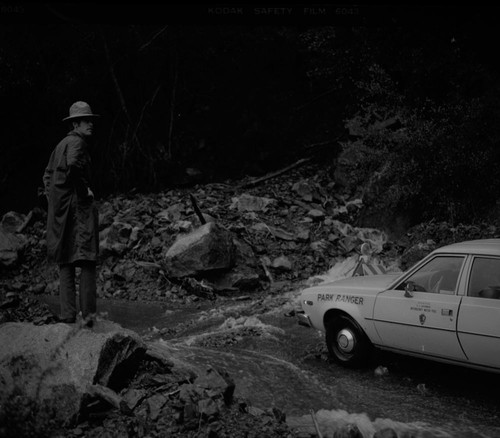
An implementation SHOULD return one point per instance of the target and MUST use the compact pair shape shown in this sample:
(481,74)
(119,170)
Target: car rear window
(484,280)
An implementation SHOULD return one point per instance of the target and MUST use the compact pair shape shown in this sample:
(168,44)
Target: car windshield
(439,275)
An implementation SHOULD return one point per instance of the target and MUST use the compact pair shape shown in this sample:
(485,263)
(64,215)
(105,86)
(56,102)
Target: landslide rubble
(283,230)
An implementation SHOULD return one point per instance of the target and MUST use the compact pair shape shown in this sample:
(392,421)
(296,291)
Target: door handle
(446,312)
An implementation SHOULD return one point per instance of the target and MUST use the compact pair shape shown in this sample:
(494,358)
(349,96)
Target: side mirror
(409,289)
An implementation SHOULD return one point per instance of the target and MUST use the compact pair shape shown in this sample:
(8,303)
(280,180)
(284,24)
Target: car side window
(439,275)
(484,280)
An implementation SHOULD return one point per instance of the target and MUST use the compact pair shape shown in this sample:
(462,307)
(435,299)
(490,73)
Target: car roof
(481,246)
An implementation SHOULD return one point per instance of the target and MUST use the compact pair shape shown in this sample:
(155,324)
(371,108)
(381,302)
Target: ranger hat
(79,110)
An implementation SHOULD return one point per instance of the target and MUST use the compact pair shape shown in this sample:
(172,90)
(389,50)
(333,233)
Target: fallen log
(257,181)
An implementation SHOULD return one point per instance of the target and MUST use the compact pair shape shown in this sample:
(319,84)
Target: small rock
(256,412)
(155,403)
(208,407)
(11,295)
(303,236)
(304,190)
(172,213)
(282,263)
(247,202)
(333,237)
(37,289)
(381,371)
(316,214)
(133,396)
(320,245)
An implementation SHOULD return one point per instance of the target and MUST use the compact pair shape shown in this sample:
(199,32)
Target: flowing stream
(277,363)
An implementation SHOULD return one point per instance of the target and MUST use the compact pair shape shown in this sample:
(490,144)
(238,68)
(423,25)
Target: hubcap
(345,341)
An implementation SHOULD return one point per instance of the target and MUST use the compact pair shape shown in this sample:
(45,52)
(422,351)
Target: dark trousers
(67,289)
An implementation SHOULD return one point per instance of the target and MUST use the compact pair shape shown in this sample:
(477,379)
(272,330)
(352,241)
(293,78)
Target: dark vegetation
(407,110)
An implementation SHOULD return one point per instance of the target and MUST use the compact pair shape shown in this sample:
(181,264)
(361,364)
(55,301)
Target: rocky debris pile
(20,308)
(254,235)
(167,400)
(284,229)
(69,380)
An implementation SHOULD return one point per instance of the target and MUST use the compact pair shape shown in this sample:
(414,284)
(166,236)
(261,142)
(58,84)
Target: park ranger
(72,220)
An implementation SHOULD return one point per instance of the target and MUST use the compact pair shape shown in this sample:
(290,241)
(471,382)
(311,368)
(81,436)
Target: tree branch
(156,35)
(257,181)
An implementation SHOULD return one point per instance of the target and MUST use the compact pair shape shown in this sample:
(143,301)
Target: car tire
(347,344)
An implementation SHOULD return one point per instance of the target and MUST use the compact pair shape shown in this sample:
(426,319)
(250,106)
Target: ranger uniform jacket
(72,220)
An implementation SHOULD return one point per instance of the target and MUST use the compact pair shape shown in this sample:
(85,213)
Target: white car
(445,308)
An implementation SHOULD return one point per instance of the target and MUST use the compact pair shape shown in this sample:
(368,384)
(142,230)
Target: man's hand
(43,198)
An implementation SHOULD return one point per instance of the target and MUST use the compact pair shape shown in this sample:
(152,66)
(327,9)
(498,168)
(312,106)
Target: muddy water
(418,397)
(276,363)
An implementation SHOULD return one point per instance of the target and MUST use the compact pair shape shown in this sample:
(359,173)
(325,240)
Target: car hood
(365,283)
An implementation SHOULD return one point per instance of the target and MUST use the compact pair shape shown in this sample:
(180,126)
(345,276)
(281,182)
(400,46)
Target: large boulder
(56,366)
(244,276)
(206,249)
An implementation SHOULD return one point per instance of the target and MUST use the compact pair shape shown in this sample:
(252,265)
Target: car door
(424,320)
(479,318)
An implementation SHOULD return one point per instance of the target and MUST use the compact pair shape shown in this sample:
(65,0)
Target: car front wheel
(347,345)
